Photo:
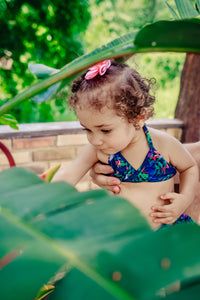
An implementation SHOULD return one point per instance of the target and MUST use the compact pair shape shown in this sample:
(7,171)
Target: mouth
(100,149)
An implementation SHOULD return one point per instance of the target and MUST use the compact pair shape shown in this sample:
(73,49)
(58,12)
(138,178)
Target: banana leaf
(41,71)
(173,12)
(90,245)
(198,5)
(186,9)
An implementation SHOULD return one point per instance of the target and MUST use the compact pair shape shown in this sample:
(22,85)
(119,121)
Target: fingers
(162,208)
(116,189)
(104,180)
(100,168)
(167,196)
(160,215)
(164,221)
(107,182)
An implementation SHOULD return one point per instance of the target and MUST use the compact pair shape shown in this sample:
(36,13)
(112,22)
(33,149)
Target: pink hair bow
(99,68)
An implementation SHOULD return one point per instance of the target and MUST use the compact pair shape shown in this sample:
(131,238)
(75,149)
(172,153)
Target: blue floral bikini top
(153,169)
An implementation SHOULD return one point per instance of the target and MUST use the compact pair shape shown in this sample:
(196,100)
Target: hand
(98,174)
(170,212)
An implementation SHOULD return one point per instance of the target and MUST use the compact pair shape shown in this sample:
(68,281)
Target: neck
(138,141)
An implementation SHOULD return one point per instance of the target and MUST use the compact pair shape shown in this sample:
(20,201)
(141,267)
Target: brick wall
(41,146)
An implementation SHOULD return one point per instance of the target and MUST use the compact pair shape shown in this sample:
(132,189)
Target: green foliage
(43,39)
(137,14)
(186,9)
(111,19)
(166,69)
(157,37)
(35,31)
(8,119)
(91,245)
(130,15)
(173,12)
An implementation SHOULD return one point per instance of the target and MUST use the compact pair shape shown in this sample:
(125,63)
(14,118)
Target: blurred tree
(188,106)
(49,32)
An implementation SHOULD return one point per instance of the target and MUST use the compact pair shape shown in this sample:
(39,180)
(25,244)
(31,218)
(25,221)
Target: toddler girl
(112,102)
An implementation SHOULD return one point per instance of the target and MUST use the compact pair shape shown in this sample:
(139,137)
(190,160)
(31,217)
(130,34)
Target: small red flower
(99,68)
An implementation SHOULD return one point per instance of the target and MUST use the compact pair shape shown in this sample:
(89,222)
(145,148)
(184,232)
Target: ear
(142,117)
(141,122)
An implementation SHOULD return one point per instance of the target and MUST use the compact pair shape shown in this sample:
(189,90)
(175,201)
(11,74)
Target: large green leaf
(25,256)
(42,205)
(174,36)
(156,260)
(177,36)
(107,246)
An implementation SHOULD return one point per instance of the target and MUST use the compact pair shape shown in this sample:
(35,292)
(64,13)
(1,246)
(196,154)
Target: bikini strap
(149,140)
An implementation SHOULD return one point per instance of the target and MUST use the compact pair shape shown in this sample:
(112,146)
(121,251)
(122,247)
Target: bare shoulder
(163,140)
(171,149)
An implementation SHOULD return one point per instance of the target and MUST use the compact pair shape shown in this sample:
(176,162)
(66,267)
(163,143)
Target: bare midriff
(144,195)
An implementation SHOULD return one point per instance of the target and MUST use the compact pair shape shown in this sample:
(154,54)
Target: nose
(96,141)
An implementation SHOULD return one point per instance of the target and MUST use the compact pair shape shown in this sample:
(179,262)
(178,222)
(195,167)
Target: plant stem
(8,155)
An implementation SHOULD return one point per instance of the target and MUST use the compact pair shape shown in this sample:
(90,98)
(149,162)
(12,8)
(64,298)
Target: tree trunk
(188,106)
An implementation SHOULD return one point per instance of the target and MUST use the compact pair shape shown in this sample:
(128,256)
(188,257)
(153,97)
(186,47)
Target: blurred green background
(55,33)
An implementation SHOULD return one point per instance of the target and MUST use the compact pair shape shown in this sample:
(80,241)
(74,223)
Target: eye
(87,130)
(106,130)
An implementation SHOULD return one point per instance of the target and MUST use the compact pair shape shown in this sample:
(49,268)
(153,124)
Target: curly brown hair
(120,88)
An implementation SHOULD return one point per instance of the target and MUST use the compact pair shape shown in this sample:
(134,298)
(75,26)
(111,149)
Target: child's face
(106,131)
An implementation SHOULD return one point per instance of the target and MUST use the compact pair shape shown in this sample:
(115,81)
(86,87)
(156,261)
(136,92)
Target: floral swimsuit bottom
(153,169)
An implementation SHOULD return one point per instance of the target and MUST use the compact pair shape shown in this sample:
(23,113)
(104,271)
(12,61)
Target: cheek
(88,137)
(125,136)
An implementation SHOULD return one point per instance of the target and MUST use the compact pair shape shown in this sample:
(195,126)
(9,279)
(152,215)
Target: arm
(188,174)
(79,167)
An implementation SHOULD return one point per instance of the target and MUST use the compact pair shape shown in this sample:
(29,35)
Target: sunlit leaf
(198,4)
(49,174)
(186,9)
(45,290)
(10,120)
(174,14)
